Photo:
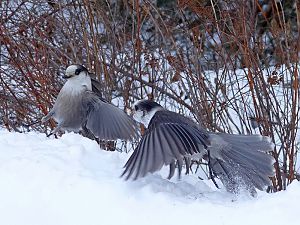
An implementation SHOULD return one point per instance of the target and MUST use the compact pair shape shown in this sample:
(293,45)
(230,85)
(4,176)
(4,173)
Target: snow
(70,181)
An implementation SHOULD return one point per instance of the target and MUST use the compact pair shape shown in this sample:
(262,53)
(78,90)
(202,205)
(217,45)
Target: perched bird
(78,107)
(172,139)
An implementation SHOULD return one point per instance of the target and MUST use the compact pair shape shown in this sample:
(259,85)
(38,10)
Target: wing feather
(107,121)
(166,142)
(142,157)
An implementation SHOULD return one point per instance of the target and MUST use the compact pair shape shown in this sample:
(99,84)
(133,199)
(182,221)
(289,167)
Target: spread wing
(169,140)
(106,121)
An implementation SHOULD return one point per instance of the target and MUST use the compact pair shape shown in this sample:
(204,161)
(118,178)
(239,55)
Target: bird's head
(78,76)
(144,110)
(74,71)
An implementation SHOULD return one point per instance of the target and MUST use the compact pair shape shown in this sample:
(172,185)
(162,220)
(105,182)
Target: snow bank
(70,181)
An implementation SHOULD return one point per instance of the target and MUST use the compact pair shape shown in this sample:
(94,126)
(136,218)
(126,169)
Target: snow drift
(70,181)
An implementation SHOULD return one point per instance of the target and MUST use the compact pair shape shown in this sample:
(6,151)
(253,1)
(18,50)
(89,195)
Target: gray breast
(69,112)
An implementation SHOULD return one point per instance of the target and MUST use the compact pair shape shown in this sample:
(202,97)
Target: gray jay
(77,106)
(239,161)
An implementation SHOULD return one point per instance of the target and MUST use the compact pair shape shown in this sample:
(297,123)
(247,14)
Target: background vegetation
(231,65)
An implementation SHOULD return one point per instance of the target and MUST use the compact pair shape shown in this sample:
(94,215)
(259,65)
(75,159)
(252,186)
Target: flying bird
(78,107)
(172,139)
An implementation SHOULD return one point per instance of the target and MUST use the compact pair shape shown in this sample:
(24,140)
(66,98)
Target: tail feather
(240,161)
(261,143)
(252,159)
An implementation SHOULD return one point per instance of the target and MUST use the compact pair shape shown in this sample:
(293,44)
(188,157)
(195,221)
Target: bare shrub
(231,65)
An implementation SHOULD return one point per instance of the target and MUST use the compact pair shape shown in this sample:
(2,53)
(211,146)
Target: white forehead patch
(145,117)
(71,70)
(137,116)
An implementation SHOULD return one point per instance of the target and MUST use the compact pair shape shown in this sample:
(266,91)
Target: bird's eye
(77,71)
(136,108)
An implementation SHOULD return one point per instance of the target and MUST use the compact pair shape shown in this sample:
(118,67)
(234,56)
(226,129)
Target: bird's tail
(241,161)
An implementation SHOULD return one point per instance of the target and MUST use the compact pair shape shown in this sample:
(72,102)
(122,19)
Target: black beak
(65,76)
(61,73)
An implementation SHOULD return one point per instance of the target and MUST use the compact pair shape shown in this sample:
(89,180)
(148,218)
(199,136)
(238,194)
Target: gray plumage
(77,106)
(172,139)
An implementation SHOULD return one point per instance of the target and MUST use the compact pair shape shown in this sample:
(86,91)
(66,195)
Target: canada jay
(77,106)
(172,139)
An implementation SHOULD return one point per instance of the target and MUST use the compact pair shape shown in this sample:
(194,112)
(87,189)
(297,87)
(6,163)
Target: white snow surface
(70,181)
